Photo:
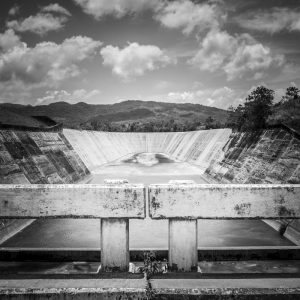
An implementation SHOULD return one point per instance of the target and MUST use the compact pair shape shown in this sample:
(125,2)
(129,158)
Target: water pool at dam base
(146,168)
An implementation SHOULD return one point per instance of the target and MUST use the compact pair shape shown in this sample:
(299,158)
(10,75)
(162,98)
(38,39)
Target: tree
(257,108)
(209,122)
(292,95)
(292,92)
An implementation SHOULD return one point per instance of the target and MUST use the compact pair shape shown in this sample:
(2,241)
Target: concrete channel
(268,266)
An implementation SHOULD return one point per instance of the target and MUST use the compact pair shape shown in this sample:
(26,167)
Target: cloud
(117,8)
(221,97)
(43,22)
(134,59)
(189,16)
(215,48)
(8,40)
(46,62)
(237,56)
(271,21)
(252,59)
(14,10)
(80,95)
(56,8)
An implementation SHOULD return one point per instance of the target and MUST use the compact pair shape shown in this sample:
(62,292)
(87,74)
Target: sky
(210,52)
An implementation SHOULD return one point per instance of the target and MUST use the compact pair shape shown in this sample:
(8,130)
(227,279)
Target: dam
(164,170)
(205,157)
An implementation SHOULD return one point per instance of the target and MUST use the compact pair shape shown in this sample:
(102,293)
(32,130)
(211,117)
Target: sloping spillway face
(148,168)
(147,158)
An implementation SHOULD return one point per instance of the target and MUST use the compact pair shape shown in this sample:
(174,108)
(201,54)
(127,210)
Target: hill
(83,115)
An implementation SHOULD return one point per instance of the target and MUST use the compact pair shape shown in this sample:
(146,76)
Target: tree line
(258,112)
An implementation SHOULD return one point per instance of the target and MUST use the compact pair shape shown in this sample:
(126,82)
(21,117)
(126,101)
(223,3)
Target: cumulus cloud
(271,21)
(56,8)
(188,16)
(8,40)
(221,97)
(47,61)
(134,59)
(238,55)
(117,8)
(75,96)
(43,22)
(215,48)
(252,59)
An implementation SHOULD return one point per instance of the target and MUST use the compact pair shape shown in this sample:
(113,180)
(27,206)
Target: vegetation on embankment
(260,112)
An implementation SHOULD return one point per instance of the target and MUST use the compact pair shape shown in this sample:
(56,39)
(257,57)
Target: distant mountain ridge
(74,115)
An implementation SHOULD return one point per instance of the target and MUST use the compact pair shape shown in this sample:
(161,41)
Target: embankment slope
(28,157)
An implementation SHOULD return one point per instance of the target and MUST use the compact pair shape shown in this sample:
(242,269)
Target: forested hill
(123,114)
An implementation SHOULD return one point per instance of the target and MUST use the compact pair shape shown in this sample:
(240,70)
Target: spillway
(197,147)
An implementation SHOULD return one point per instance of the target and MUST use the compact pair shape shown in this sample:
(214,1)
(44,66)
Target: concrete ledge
(268,288)
(72,201)
(138,289)
(73,289)
(224,201)
(204,253)
(13,228)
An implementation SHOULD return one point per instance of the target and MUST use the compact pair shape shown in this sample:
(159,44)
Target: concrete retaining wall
(270,156)
(36,157)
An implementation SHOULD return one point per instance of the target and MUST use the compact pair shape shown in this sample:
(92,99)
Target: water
(148,168)
(146,234)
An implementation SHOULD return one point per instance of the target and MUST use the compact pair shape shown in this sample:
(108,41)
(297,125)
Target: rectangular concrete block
(224,201)
(72,201)
(114,244)
(183,253)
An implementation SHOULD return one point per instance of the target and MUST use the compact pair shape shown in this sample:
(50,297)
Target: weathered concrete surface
(224,201)
(269,156)
(74,201)
(115,289)
(114,244)
(267,288)
(183,253)
(36,157)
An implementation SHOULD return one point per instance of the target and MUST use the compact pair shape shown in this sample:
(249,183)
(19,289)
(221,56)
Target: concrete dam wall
(197,147)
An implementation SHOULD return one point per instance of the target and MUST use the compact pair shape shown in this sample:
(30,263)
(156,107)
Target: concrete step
(138,289)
